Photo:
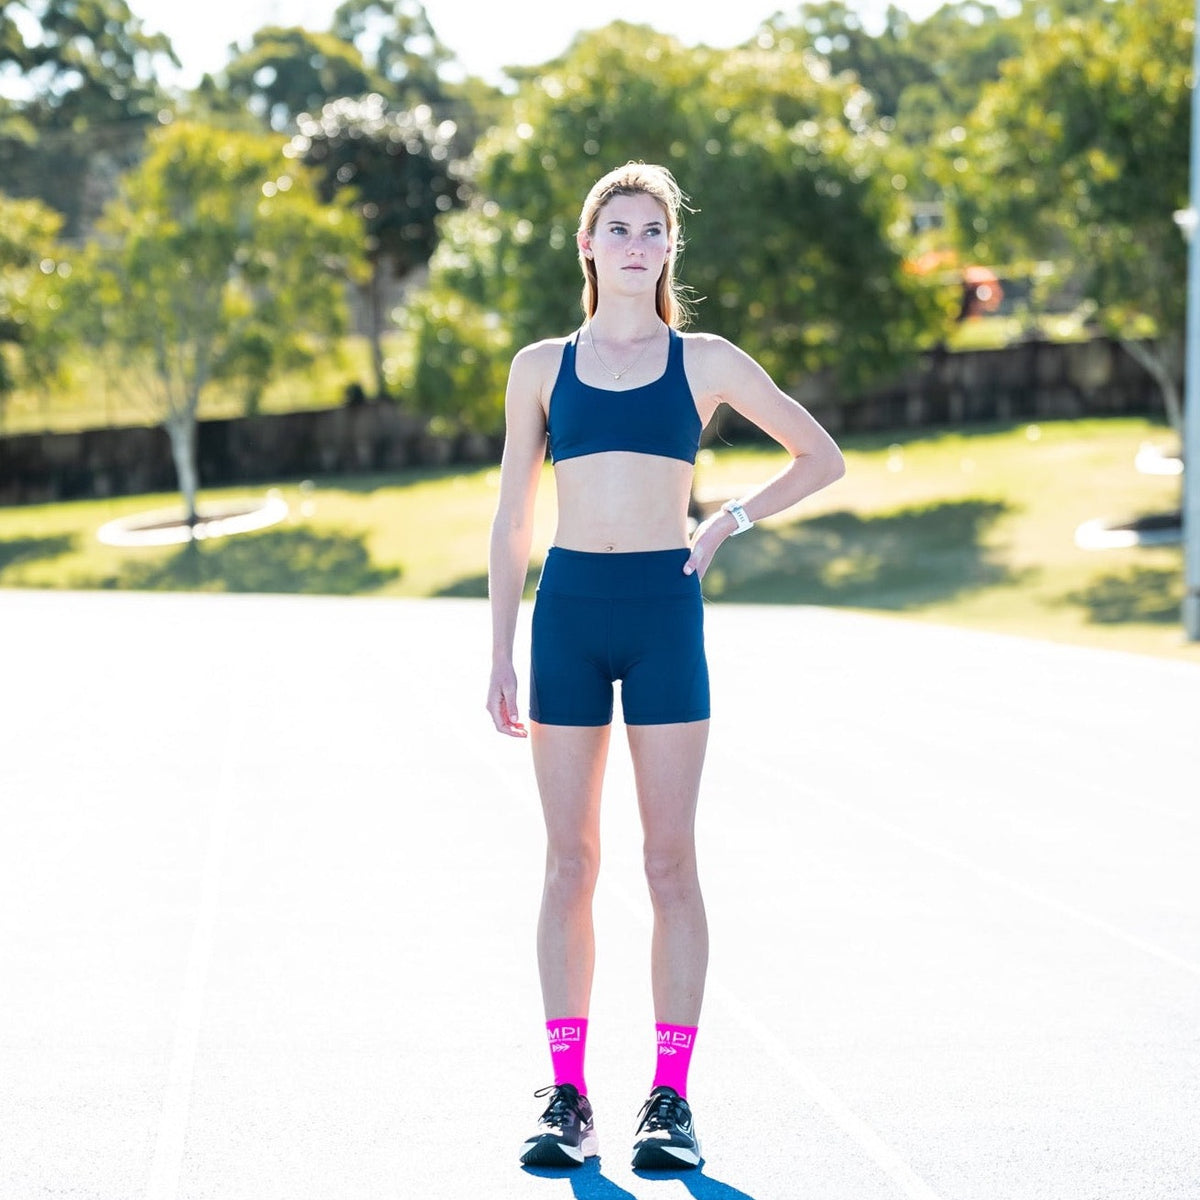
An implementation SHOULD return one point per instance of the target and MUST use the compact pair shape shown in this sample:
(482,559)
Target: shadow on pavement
(1141,594)
(703,1187)
(277,560)
(587,1182)
(900,560)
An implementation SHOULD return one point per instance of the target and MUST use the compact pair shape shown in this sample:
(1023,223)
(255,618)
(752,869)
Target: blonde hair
(638,179)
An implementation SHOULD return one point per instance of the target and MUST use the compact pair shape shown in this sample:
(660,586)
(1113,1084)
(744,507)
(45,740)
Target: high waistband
(617,576)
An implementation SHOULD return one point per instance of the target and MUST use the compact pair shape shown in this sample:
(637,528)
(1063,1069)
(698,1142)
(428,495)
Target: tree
(961,48)
(216,260)
(85,59)
(398,40)
(883,63)
(411,65)
(1079,153)
(924,76)
(286,72)
(90,72)
(399,165)
(793,217)
(32,266)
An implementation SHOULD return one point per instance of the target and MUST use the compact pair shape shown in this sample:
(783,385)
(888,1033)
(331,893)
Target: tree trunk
(181,429)
(1157,363)
(375,309)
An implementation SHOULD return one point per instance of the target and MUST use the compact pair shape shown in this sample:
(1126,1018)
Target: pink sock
(568,1041)
(675,1044)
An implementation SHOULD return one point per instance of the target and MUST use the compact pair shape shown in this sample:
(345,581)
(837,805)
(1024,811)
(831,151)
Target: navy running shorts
(603,617)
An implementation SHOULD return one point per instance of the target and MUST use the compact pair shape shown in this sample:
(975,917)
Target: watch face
(735,510)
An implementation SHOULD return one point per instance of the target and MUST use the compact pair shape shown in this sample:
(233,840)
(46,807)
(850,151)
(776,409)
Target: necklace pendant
(624,370)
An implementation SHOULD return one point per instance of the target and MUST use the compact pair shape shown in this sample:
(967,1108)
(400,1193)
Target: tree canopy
(87,59)
(32,267)
(398,41)
(89,70)
(216,260)
(1045,129)
(1079,153)
(791,255)
(382,47)
(399,168)
(286,72)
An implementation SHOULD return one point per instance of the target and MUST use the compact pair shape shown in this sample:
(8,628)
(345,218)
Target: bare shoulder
(538,358)
(705,347)
(721,372)
(535,367)
(548,350)
(717,369)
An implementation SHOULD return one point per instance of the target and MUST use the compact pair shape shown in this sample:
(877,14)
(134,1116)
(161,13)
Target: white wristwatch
(738,513)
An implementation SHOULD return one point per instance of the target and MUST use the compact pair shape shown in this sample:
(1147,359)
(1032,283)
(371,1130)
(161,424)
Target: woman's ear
(583,240)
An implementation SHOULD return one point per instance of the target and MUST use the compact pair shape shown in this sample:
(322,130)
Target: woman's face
(629,244)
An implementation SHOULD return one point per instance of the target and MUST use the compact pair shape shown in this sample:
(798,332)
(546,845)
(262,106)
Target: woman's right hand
(502,701)
(705,542)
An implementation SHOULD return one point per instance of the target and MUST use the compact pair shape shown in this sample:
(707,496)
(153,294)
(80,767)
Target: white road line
(1184,816)
(166,1167)
(820,1093)
(991,875)
(1069,779)
(825,1098)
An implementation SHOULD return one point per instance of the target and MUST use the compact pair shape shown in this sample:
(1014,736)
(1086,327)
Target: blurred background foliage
(216,260)
(840,181)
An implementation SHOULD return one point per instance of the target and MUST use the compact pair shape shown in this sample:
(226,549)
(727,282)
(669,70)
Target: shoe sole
(548,1151)
(653,1156)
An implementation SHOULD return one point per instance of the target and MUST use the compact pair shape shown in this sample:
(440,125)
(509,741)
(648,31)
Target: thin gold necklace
(624,370)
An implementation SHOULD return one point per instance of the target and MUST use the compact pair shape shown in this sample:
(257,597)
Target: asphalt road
(268,883)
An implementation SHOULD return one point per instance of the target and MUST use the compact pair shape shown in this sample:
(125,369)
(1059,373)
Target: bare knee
(571,874)
(671,876)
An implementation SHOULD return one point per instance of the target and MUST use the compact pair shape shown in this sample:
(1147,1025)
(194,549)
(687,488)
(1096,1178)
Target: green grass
(92,394)
(968,528)
(996,332)
(977,529)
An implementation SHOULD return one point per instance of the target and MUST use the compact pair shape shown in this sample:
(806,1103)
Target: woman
(622,403)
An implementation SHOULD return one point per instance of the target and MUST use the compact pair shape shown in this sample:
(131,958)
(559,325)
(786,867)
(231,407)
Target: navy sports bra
(656,418)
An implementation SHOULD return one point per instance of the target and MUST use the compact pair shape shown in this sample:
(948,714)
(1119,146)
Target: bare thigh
(667,762)
(568,762)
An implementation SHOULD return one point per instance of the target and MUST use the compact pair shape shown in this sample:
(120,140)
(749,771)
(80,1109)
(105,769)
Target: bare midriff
(620,502)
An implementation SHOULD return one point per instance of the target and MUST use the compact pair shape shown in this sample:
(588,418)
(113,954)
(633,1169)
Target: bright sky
(486,35)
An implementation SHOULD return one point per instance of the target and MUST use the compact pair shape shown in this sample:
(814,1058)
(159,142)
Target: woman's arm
(512,529)
(723,373)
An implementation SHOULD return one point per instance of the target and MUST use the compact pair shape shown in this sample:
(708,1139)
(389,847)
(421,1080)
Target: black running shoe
(665,1139)
(566,1132)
